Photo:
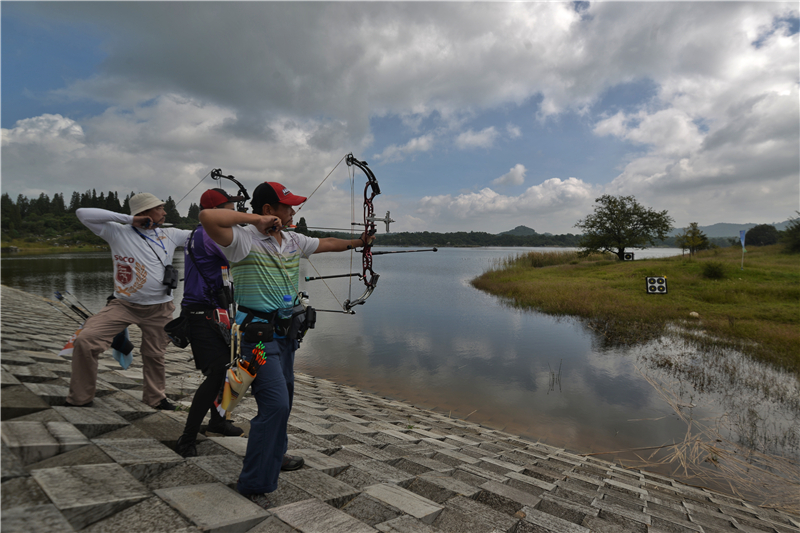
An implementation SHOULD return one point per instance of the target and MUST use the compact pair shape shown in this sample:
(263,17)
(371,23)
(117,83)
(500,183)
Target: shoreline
(333,426)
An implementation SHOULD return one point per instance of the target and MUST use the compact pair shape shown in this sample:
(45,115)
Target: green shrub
(713,270)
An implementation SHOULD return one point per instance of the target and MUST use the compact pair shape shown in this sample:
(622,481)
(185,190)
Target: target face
(656,284)
(627,256)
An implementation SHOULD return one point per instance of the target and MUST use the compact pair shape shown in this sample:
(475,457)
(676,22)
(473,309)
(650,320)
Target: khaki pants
(97,335)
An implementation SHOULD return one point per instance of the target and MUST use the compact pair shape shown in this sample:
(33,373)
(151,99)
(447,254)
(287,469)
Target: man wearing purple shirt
(203,296)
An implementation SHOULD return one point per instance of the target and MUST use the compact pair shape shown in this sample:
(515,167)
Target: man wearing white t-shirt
(143,282)
(265,263)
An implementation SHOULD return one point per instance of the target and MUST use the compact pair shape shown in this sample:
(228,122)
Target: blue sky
(473,116)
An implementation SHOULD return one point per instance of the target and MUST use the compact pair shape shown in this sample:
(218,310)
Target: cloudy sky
(473,116)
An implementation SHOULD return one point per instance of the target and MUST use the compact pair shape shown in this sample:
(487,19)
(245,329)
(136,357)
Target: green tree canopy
(173,217)
(791,236)
(194,212)
(761,235)
(620,222)
(302,227)
(692,239)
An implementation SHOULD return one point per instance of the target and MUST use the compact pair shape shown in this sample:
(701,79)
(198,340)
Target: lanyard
(143,236)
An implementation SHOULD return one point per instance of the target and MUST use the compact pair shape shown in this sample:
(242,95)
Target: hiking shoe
(73,405)
(292,462)
(225,428)
(186,447)
(165,405)
(259,499)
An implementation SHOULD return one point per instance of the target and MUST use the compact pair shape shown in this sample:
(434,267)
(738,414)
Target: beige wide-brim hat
(143,201)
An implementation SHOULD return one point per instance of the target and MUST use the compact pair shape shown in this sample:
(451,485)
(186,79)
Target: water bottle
(286,311)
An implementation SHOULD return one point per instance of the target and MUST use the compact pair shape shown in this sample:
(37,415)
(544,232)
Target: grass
(755,310)
(47,247)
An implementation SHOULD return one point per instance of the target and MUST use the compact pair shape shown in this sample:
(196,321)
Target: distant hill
(520,231)
(724,229)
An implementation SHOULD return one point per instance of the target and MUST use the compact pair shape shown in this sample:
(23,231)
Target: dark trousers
(273,390)
(211,355)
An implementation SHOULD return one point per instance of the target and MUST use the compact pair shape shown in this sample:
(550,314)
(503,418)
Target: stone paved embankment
(372,464)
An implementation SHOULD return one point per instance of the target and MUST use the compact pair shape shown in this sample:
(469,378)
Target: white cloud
(553,203)
(417,145)
(515,176)
(477,139)
(282,95)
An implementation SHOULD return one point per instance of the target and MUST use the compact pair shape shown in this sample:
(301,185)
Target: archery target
(656,284)
(627,256)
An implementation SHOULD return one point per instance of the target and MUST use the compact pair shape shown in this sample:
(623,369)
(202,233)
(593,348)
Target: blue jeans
(273,390)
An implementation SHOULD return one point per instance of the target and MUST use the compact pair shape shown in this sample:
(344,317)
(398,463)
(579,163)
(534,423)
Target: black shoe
(226,428)
(73,405)
(186,446)
(259,499)
(165,405)
(292,462)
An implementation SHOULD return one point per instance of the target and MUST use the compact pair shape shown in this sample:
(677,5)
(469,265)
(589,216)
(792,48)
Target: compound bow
(368,275)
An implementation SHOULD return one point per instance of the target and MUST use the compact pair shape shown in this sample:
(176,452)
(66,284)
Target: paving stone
(180,475)
(19,400)
(223,468)
(372,452)
(7,378)
(152,515)
(52,394)
(12,466)
(361,474)
(429,463)
(16,357)
(322,486)
(405,524)
(35,373)
(568,510)
(87,493)
(462,515)
(236,445)
(307,441)
(125,406)
(440,487)
(161,427)
(85,455)
(320,461)
(624,517)
(36,441)
(314,516)
(287,493)
(91,421)
(504,498)
(38,519)
(370,510)
(214,507)
(497,466)
(273,524)
(47,415)
(475,475)
(405,500)
(454,457)
(143,458)
(538,522)
(22,492)
(529,484)
(118,380)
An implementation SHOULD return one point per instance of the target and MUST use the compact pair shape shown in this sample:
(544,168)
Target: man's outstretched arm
(218,223)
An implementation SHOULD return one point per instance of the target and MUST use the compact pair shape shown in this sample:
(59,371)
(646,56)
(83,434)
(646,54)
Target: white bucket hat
(142,202)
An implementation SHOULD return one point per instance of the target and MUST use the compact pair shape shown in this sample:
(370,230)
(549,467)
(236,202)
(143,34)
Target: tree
(692,239)
(75,202)
(302,227)
(194,212)
(620,222)
(791,236)
(173,217)
(761,235)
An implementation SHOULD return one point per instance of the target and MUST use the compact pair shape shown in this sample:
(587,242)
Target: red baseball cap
(216,197)
(272,192)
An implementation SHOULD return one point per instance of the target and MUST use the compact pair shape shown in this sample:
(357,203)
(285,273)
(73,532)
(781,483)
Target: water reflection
(428,337)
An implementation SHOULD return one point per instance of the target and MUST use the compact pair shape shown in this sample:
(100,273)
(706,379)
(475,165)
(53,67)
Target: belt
(258,314)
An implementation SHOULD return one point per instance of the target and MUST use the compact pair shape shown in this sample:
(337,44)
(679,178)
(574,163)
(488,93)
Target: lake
(428,337)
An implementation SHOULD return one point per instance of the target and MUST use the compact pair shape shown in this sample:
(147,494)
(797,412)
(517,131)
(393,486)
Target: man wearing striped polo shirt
(265,262)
